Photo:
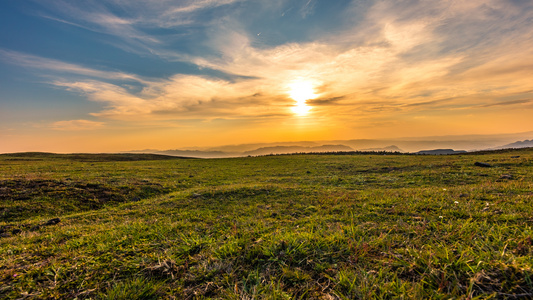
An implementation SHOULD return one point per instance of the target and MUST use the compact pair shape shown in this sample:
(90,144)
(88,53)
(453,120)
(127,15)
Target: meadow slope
(272,227)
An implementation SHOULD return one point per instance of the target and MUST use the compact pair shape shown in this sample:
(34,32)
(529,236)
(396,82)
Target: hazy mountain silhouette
(518,144)
(391,148)
(407,144)
(251,147)
(297,149)
(199,154)
(441,152)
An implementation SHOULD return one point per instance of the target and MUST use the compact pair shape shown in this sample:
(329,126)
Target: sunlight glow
(301,91)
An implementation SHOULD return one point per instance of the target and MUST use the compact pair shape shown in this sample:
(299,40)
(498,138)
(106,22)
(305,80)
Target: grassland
(274,227)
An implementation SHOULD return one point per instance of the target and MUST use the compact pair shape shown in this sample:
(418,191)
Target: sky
(117,75)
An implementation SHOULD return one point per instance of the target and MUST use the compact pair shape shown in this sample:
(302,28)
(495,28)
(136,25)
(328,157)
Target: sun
(301,91)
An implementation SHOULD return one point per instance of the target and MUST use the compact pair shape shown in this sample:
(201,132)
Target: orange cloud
(77,125)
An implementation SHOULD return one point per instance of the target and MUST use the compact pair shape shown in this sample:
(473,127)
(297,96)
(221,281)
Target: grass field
(273,227)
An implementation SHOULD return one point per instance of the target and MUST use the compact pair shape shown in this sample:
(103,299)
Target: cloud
(97,17)
(336,70)
(119,101)
(308,8)
(430,103)
(32,61)
(77,125)
(182,96)
(402,56)
(325,101)
(512,102)
(188,7)
(135,29)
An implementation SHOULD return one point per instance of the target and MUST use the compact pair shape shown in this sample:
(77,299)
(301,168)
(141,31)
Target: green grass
(274,227)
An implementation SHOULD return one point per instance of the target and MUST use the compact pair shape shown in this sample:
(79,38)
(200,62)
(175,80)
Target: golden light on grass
(301,91)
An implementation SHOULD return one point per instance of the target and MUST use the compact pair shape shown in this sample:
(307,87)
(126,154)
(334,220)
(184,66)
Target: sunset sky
(114,75)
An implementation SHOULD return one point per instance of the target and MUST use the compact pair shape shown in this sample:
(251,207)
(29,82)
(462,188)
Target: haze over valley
(411,145)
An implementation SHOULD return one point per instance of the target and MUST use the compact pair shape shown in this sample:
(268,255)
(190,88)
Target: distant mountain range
(297,149)
(436,145)
(190,153)
(440,152)
(272,150)
(391,148)
(519,144)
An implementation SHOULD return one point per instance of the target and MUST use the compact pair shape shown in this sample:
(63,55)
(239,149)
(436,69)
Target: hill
(89,156)
(440,152)
(518,144)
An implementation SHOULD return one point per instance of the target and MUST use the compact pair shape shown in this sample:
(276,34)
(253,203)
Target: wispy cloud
(402,56)
(77,125)
(326,101)
(97,17)
(308,8)
(187,7)
(512,102)
(133,30)
(54,65)
(185,97)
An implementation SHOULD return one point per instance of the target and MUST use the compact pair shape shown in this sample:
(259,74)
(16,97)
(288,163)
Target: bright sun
(301,91)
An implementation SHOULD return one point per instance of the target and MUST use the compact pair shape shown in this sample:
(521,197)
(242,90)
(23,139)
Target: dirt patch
(20,190)
(21,198)
(10,230)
